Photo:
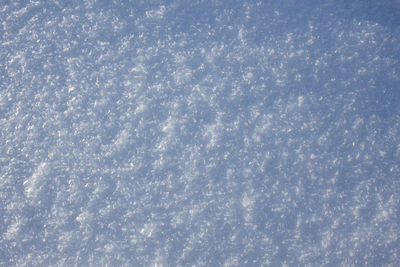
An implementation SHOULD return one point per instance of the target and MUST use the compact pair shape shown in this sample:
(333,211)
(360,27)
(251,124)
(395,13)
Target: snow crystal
(199,133)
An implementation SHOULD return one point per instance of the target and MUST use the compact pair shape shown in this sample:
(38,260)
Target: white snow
(199,134)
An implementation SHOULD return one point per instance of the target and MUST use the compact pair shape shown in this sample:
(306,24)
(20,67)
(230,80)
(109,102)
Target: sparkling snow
(199,133)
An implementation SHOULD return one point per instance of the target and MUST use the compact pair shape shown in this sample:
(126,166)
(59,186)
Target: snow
(200,133)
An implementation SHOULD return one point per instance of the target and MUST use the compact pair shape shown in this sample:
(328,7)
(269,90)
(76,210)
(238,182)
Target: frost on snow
(201,133)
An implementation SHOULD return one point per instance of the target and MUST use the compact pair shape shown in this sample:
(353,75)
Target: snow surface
(199,133)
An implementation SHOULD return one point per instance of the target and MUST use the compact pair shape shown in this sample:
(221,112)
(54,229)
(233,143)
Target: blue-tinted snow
(206,133)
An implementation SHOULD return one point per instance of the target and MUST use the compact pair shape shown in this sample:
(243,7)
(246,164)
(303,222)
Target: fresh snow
(199,133)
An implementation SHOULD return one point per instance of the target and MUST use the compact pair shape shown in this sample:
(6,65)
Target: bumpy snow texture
(206,133)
